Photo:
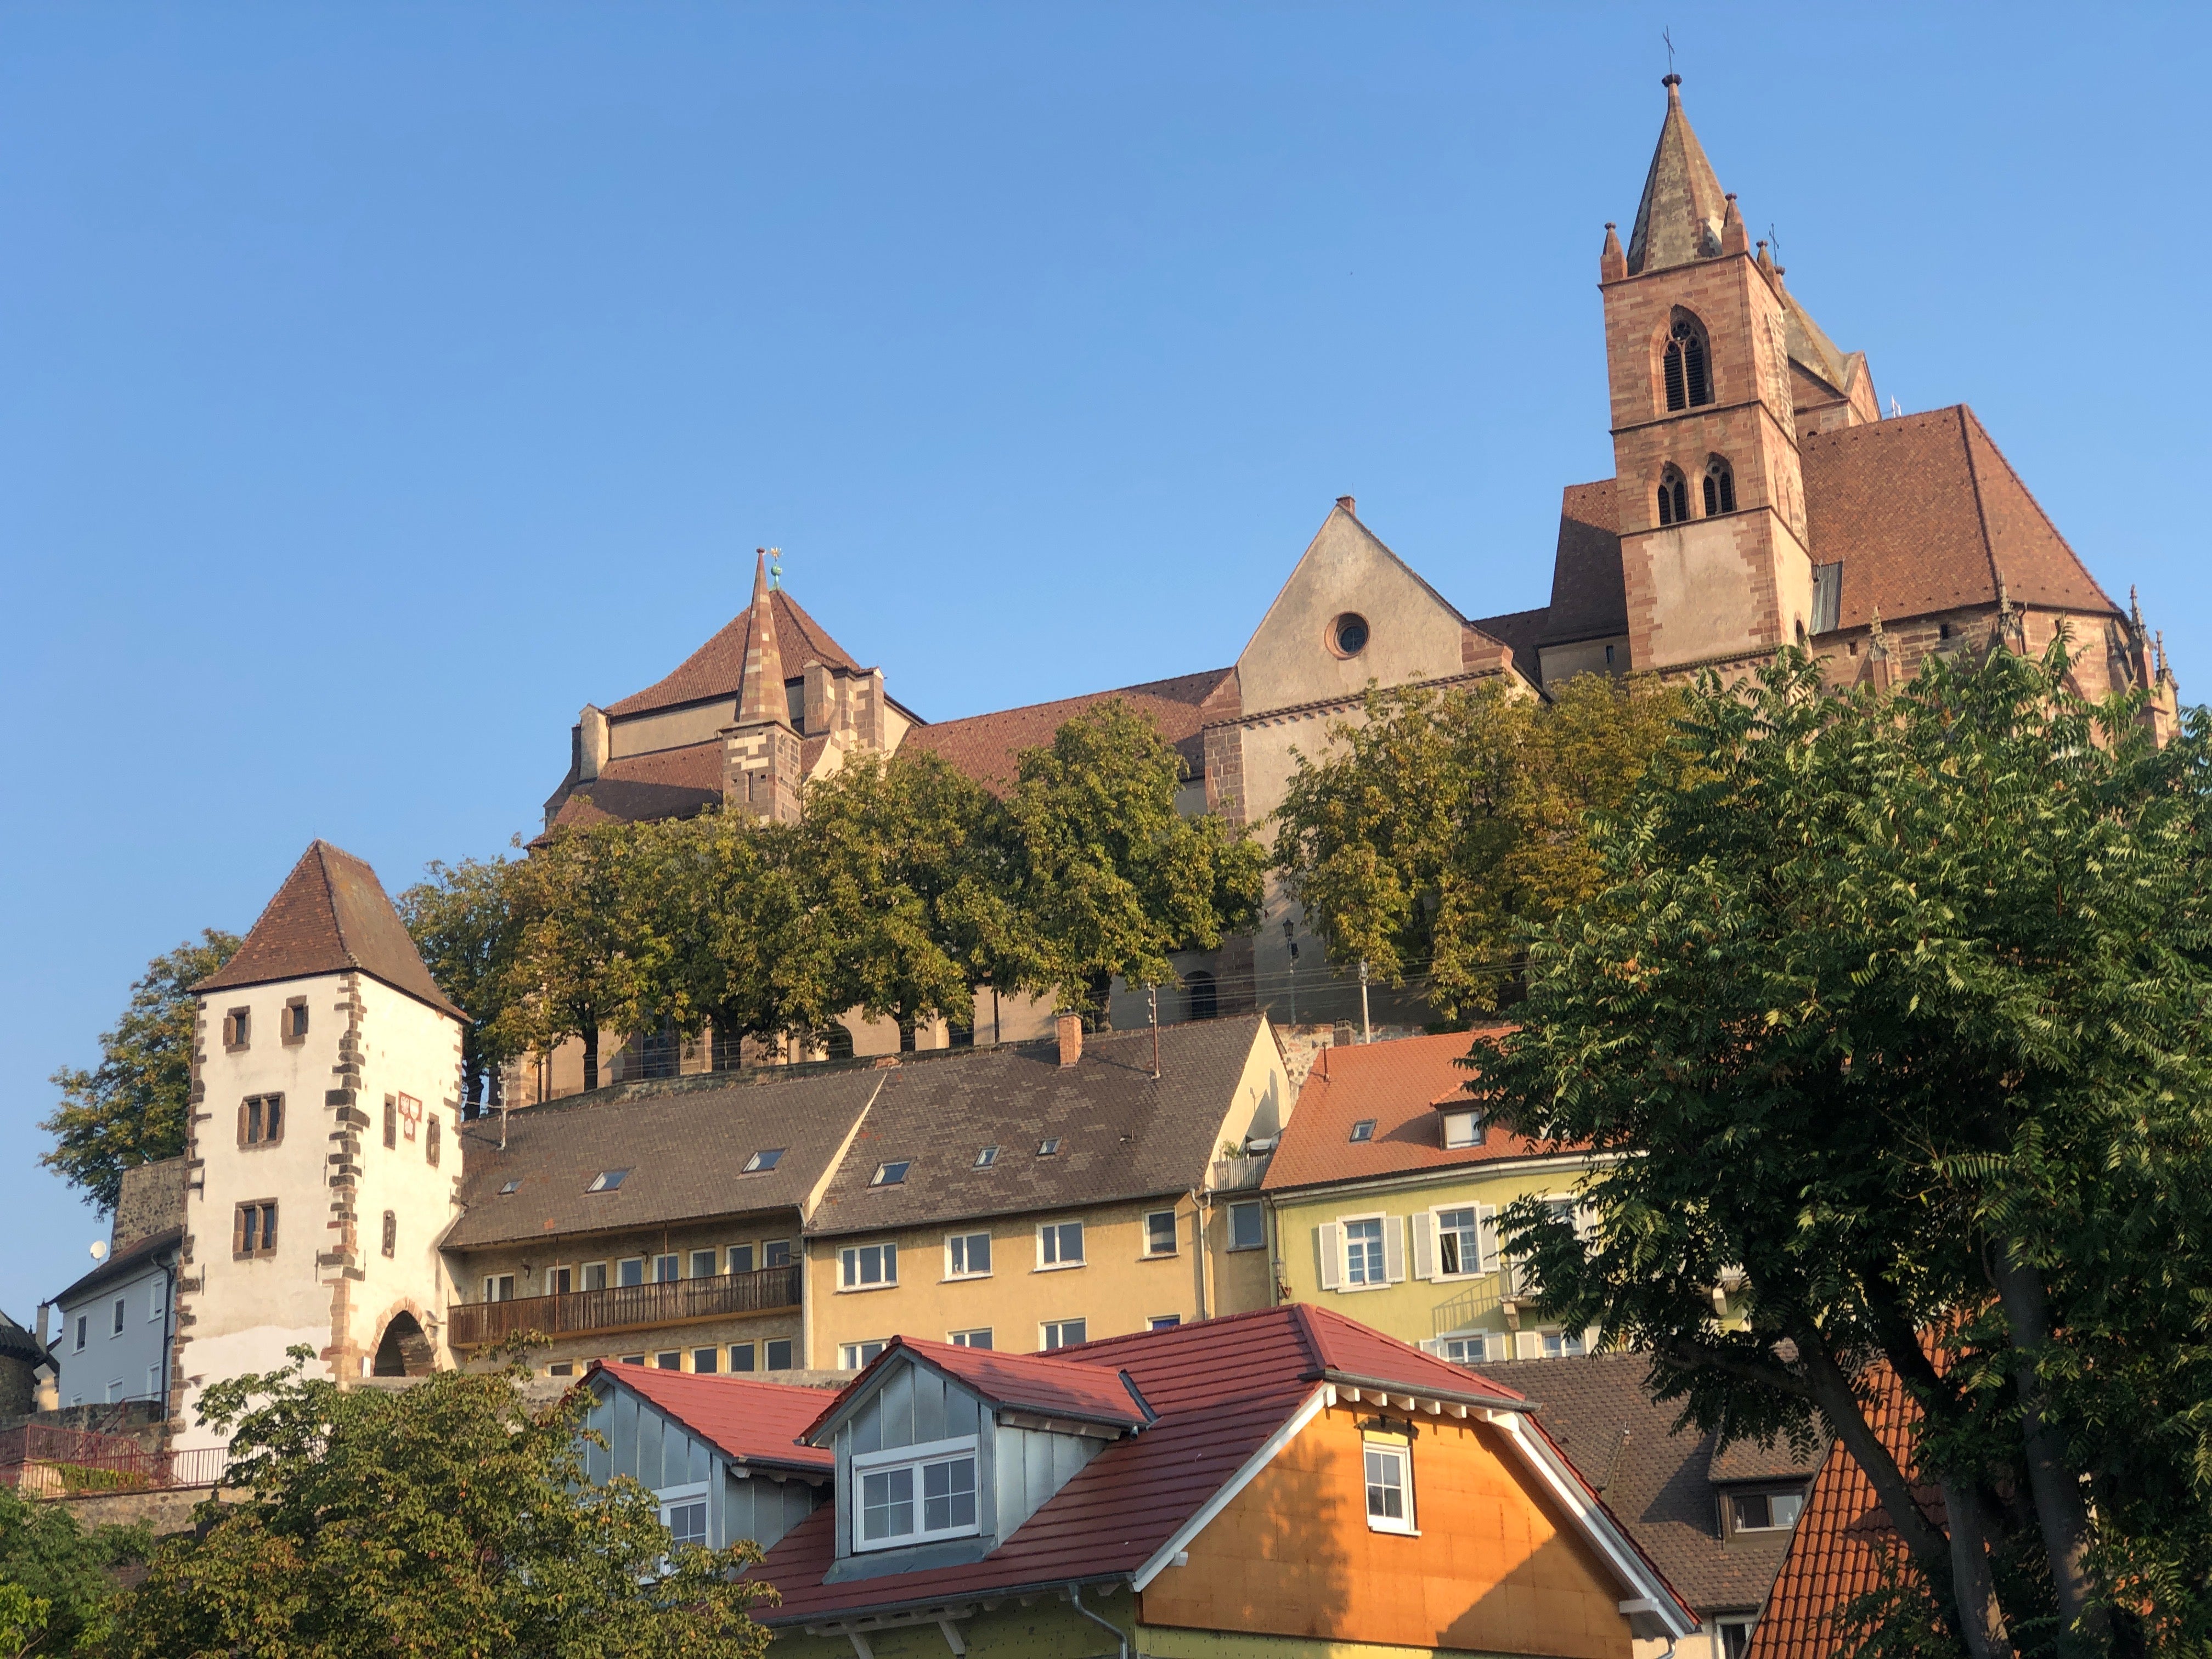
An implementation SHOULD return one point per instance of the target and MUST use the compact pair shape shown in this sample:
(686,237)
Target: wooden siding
(1495,1568)
(626,1307)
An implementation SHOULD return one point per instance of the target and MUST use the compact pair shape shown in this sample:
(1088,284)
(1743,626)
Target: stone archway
(404,1350)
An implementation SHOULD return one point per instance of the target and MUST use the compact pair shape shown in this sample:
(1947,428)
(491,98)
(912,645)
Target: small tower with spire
(762,758)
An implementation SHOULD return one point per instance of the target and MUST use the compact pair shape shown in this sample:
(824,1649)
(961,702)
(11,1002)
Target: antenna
(1667,35)
(1894,411)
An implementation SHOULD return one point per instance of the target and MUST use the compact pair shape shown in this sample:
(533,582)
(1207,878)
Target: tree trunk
(906,1024)
(1102,998)
(590,1035)
(2061,1511)
(1974,1591)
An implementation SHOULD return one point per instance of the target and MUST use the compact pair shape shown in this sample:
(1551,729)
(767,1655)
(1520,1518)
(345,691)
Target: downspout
(1075,1600)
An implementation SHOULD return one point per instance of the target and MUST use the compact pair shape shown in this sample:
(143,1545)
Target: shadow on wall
(405,1351)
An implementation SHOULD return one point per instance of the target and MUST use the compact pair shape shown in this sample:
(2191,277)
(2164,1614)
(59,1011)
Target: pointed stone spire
(760,687)
(1679,220)
(1732,233)
(1612,263)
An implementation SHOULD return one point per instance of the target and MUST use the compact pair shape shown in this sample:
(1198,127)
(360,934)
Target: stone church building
(1760,498)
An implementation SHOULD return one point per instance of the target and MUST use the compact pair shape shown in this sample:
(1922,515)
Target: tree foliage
(1897,1005)
(1442,822)
(449,1518)
(466,931)
(58,1588)
(585,952)
(130,1108)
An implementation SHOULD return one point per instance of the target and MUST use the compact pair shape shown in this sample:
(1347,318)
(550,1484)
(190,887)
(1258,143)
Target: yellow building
(1045,1195)
(1384,1197)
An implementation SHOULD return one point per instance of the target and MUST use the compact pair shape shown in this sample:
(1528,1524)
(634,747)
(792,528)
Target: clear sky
(379,384)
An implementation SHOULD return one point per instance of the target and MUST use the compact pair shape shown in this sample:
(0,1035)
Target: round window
(1348,633)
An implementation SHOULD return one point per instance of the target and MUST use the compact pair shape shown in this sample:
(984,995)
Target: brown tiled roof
(1123,1133)
(986,747)
(1519,631)
(1589,600)
(331,916)
(716,669)
(685,1150)
(1838,1552)
(668,783)
(1050,1384)
(1397,1084)
(749,1421)
(1924,512)
(1679,218)
(1659,1482)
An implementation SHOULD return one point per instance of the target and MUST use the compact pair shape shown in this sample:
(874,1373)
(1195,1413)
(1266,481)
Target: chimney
(592,745)
(1348,505)
(1069,1024)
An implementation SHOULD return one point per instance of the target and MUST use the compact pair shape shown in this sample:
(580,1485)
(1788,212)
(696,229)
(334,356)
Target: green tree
(129,1109)
(58,1588)
(584,952)
(1440,823)
(1896,1007)
(449,1518)
(1106,879)
(463,920)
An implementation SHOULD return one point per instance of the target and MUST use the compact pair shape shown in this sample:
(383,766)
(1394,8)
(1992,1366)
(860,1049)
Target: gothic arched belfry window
(1720,486)
(1674,497)
(1689,363)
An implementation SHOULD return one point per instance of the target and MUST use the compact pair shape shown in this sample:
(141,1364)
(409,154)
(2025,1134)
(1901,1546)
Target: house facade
(118,1321)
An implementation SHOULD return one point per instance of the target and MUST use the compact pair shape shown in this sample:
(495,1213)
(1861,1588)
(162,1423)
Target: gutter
(1075,1600)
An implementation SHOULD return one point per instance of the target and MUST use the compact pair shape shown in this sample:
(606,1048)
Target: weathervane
(775,567)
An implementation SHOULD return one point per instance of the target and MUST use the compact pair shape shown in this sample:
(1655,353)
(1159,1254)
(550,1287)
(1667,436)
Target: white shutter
(1486,1232)
(1393,1249)
(1527,1345)
(1425,1244)
(1328,1240)
(1434,1345)
(1590,1335)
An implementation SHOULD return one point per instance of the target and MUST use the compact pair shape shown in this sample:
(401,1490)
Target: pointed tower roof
(1679,218)
(331,916)
(717,668)
(760,685)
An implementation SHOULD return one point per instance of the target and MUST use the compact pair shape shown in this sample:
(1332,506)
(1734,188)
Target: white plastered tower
(325,1084)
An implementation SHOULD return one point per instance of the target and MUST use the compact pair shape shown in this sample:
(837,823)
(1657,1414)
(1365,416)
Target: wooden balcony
(625,1308)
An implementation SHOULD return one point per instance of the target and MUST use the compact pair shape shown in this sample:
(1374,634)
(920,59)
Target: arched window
(1674,496)
(1689,365)
(1720,486)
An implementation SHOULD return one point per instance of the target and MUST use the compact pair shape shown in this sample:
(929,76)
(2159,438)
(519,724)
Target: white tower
(322,1163)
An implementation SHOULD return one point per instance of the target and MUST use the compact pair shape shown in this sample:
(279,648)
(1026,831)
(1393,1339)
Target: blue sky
(378,385)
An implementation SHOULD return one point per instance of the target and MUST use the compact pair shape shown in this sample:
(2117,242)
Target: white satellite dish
(100,1249)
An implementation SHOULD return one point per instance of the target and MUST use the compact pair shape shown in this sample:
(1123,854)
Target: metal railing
(40,1460)
(1238,1175)
(624,1307)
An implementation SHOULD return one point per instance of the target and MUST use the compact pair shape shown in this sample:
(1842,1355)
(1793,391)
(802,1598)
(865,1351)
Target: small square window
(1389,1486)
(1462,1128)
(1048,1147)
(855,1355)
(607,1180)
(1475,1349)
(741,1258)
(1160,1233)
(703,1263)
(670,1360)
(629,1271)
(261,1121)
(776,1252)
(975,1339)
(1246,1228)
(1362,1130)
(666,1269)
(1163,1321)
(561,1368)
(237,1027)
(594,1276)
(967,1255)
(778,1352)
(867,1266)
(1065,1334)
(706,1361)
(509,1188)
(559,1281)
(987,1157)
(890,1175)
(1766,1511)
(292,1024)
(253,1229)
(741,1356)
(499,1287)
(762,1162)
(1059,1244)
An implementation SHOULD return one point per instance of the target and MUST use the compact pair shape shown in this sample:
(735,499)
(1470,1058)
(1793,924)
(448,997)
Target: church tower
(762,760)
(322,1161)
(1710,488)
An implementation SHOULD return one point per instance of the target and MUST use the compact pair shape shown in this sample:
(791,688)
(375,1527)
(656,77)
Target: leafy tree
(1442,822)
(1897,1005)
(1106,878)
(130,1108)
(57,1581)
(463,920)
(584,950)
(448,1518)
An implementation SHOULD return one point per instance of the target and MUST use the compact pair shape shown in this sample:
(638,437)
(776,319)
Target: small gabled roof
(331,916)
(1042,1384)
(746,1420)
(717,668)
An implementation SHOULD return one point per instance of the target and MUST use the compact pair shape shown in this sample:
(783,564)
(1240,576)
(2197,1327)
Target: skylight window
(607,1180)
(1048,1147)
(987,1157)
(1363,1130)
(510,1189)
(761,1162)
(890,1175)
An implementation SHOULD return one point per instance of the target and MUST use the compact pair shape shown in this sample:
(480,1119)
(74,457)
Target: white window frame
(623,1261)
(1428,1243)
(667,1266)
(1498,1340)
(1082,1244)
(1335,1252)
(84,1323)
(1474,1127)
(584,1276)
(157,1297)
(850,1358)
(1175,1235)
(117,1315)
(1769,1493)
(714,1262)
(849,1271)
(915,1457)
(492,1282)
(676,1498)
(966,1338)
(958,1254)
(1398,1450)
(1045,1344)
(1254,1205)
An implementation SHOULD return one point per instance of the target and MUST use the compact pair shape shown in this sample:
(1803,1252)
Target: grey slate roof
(1660,1483)
(686,1151)
(1122,1135)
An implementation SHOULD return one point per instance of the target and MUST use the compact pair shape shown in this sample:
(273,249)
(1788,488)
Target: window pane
(1363,1252)
(741,1356)
(1386,1490)
(702,1264)
(687,1523)
(1160,1233)
(1784,1507)
(631,1271)
(1244,1233)
(887,1504)
(779,1355)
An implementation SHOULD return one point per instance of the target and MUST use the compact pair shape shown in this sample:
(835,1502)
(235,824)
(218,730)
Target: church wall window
(1674,496)
(391,1232)
(1720,486)
(1687,370)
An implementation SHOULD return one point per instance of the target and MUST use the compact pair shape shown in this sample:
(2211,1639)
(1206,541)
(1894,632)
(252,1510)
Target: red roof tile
(1399,1085)
(331,916)
(986,747)
(717,668)
(669,783)
(1050,1385)
(749,1421)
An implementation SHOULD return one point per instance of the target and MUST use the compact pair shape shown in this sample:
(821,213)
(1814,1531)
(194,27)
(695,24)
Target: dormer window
(1674,497)
(1462,1128)
(1688,365)
(914,1494)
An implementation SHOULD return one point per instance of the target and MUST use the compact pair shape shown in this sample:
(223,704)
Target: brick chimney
(1070,1027)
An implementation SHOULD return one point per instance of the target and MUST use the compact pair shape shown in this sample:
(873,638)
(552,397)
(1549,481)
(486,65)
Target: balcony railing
(624,1307)
(1238,1175)
(40,1460)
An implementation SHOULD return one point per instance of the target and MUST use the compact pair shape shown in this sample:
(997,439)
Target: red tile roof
(717,668)
(749,1421)
(331,916)
(987,746)
(1220,1388)
(1399,1085)
(1047,1384)
(669,783)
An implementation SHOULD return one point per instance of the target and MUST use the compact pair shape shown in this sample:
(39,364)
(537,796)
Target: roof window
(1362,1130)
(987,1157)
(607,1180)
(509,1188)
(762,1161)
(1048,1147)
(890,1175)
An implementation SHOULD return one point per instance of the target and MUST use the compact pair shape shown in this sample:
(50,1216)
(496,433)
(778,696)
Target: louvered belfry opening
(1674,497)
(1720,486)
(1689,377)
